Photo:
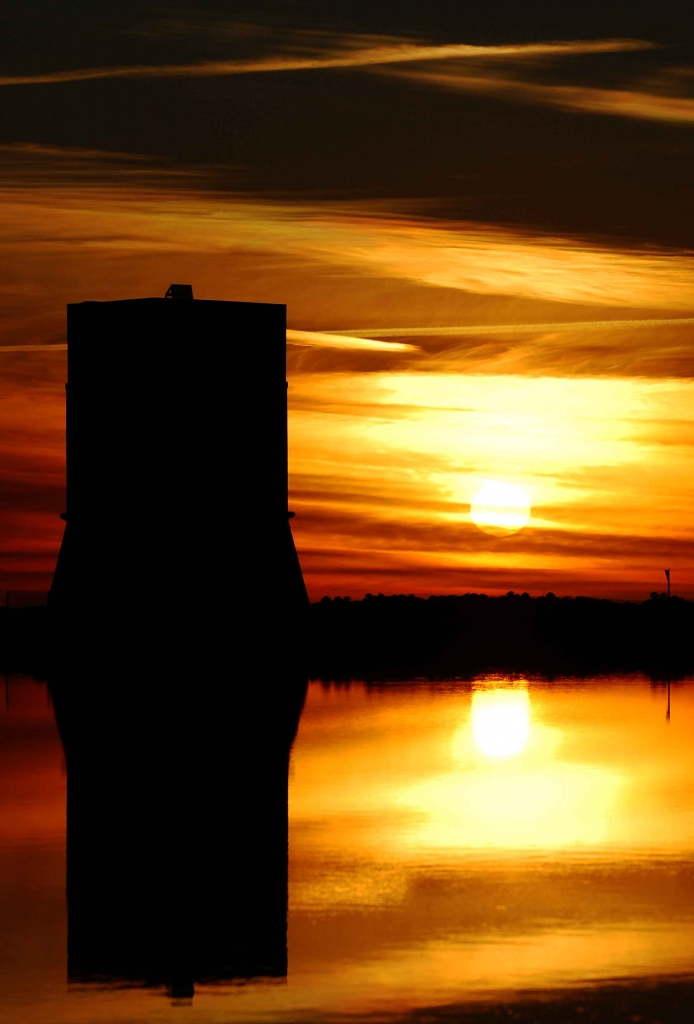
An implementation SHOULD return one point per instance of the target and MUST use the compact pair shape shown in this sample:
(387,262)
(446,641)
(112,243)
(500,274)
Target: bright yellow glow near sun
(500,509)
(501,721)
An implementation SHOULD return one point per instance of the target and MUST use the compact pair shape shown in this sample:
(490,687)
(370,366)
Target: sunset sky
(479,217)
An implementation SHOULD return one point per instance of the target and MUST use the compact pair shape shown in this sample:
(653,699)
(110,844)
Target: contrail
(583,325)
(372,56)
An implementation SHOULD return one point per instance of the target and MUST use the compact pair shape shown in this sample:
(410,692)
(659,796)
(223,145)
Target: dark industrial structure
(178,611)
(176,466)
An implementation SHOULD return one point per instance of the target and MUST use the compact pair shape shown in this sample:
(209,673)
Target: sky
(479,217)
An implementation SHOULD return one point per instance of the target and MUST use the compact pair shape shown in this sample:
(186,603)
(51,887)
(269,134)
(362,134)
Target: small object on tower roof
(179,291)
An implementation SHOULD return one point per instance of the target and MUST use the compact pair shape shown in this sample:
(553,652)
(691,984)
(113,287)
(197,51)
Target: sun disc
(500,509)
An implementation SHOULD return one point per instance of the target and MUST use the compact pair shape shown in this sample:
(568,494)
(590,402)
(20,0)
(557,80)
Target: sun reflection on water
(506,783)
(457,839)
(501,721)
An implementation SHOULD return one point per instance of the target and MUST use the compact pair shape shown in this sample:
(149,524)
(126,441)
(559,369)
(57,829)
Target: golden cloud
(465,256)
(633,103)
(331,339)
(346,52)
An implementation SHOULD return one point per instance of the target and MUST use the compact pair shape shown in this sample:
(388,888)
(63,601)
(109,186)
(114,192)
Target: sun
(501,721)
(500,509)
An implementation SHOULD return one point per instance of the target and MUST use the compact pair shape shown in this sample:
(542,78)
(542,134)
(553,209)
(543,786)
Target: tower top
(179,291)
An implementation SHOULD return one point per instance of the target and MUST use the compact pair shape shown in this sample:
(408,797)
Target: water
(450,844)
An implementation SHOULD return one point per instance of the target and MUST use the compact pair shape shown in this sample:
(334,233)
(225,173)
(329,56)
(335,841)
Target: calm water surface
(448,843)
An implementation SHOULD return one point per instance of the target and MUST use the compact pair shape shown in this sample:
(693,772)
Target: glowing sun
(500,509)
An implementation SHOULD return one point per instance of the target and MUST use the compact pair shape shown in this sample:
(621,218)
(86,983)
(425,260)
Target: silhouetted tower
(178,607)
(176,469)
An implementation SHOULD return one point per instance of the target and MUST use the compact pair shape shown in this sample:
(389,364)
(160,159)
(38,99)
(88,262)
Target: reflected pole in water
(667,713)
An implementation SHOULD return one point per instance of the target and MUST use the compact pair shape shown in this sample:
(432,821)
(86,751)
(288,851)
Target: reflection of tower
(177,715)
(177,833)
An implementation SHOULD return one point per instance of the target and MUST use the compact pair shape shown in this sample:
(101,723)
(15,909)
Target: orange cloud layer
(384,467)
(464,256)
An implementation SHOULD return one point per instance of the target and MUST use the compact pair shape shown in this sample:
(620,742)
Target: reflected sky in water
(447,842)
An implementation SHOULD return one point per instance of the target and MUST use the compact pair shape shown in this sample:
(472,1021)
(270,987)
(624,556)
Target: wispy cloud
(354,269)
(529,328)
(629,348)
(31,164)
(96,241)
(345,53)
(633,102)
(545,349)
(455,255)
(333,339)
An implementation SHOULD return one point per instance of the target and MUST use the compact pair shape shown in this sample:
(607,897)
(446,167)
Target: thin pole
(667,713)
(667,574)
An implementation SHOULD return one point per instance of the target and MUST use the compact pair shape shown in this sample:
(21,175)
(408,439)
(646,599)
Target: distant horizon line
(43,594)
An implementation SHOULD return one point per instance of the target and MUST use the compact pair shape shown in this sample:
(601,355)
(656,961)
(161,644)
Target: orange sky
(417,198)
(389,444)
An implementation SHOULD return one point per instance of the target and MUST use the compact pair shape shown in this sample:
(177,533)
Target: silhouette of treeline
(405,636)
